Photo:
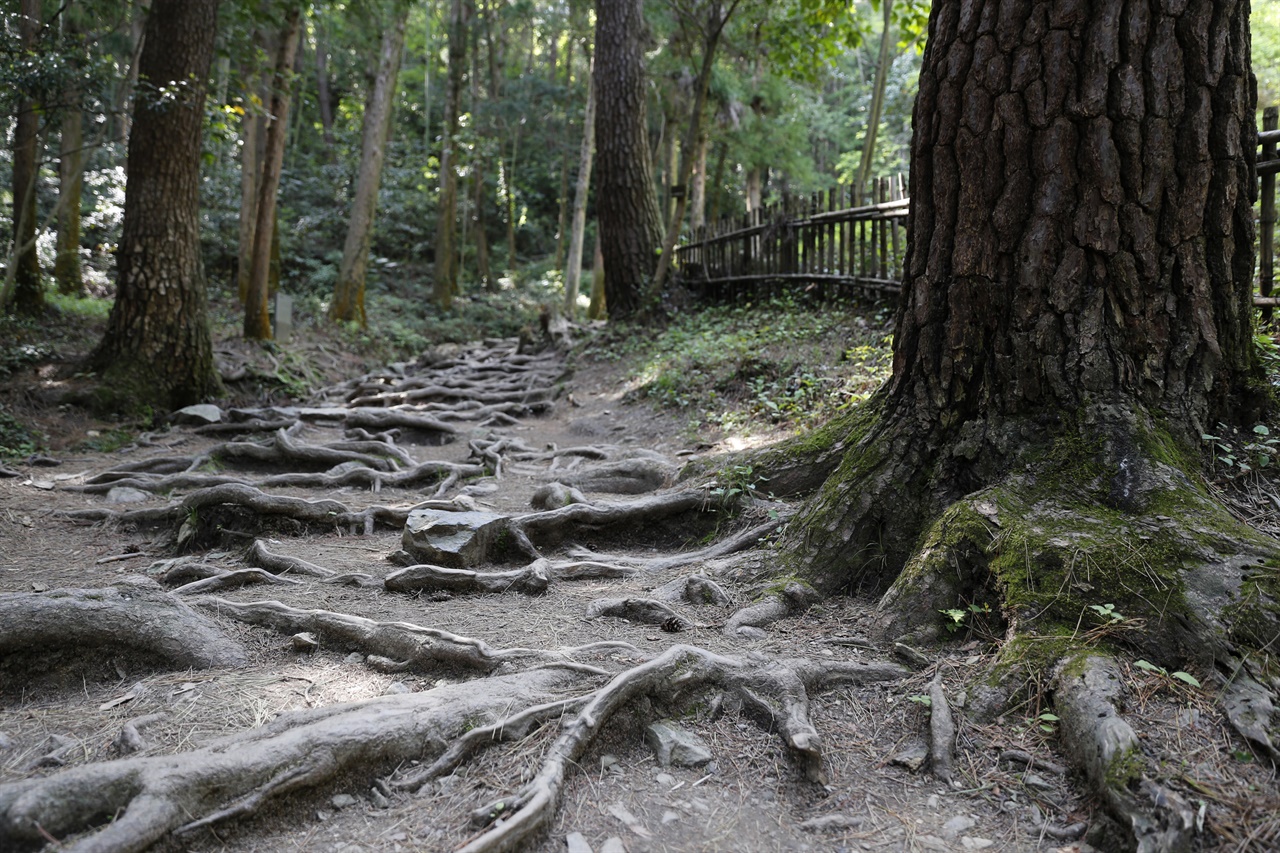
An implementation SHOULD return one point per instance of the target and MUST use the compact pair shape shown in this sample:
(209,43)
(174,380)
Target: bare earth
(60,710)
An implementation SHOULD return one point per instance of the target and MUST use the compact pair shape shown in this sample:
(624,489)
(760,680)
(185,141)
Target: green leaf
(1049,718)
(1261,430)
(1186,677)
(1148,666)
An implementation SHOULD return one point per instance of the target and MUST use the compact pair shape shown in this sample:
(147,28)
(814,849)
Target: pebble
(574,842)
(969,842)
(613,845)
(354,658)
(669,817)
(933,802)
(305,642)
(397,687)
(379,800)
(127,495)
(666,780)
(342,801)
(957,825)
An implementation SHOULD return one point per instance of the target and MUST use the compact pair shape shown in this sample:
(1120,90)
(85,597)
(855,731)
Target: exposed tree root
(127,617)
(793,597)
(694,589)
(1153,819)
(280,564)
(531,580)
(552,526)
(942,731)
(775,692)
(643,610)
(138,801)
(397,644)
(231,580)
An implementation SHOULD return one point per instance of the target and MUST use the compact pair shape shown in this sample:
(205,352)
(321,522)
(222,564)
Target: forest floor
(60,709)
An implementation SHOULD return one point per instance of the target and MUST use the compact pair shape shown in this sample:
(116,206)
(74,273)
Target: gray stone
(669,817)
(343,801)
(198,415)
(972,843)
(666,780)
(127,495)
(957,825)
(6,742)
(751,632)
(912,758)
(380,800)
(672,744)
(396,687)
(354,658)
(305,642)
(613,845)
(455,540)
(574,842)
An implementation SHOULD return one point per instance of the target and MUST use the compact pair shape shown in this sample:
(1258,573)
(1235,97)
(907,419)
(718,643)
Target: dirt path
(509,424)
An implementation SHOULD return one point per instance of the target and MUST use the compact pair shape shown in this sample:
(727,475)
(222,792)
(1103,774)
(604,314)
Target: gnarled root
(1087,691)
(774,691)
(151,797)
(794,597)
(643,610)
(531,580)
(115,617)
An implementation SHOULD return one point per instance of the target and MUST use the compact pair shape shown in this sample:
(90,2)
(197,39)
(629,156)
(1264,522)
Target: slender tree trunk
(716,20)
(698,192)
(598,308)
(324,97)
(66,265)
(573,272)
(157,350)
(562,214)
(627,204)
(754,189)
(120,116)
(883,63)
(348,296)
(446,272)
(26,290)
(717,181)
(252,156)
(508,183)
(257,319)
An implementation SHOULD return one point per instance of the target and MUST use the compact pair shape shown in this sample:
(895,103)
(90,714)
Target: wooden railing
(820,240)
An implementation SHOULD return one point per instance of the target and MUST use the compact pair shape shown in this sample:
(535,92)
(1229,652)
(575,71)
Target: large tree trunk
(630,225)
(257,319)
(348,296)
(446,273)
(157,349)
(24,289)
(1075,313)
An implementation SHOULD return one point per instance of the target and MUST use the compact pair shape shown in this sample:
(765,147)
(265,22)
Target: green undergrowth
(782,362)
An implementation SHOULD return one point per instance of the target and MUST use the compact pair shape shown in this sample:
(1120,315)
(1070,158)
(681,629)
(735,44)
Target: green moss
(1125,769)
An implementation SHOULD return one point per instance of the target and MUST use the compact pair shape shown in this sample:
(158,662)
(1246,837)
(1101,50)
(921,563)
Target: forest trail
(470,711)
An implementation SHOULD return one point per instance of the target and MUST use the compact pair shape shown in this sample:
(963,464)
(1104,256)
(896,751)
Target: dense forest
(973,517)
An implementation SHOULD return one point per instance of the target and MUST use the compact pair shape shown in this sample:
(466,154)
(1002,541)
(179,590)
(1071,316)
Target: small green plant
(1179,675)
(958,616)
(921,699)
(735,481)
(1046,722)
(1108,613)
(1239,455)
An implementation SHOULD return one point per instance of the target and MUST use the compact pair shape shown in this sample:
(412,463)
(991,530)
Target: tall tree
(573,272)
(626,201)
(66,263)
(446,250)
(157,350)
(348,296)
(257,320)
(1075,313)
(24,289)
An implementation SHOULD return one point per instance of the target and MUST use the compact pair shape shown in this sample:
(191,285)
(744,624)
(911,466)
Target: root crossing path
(467,604)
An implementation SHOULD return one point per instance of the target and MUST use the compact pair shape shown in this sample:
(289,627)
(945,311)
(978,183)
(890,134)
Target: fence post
(1267,219)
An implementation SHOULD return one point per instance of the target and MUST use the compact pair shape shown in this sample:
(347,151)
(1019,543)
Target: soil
(752,796)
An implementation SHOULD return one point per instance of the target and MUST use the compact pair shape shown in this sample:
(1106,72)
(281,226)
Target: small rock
(957,825)
(751,632)
(127,495)
(45,485)
(342,801)
(396,687)
(669,817)
(455,540)
(672,744)
(1031,780)
(6,742)
(574,842)
(613,845)
(933,802)
(970,843)
(607,761)
(831,822)
(322,814)
(197,415)
(932,842)
(380,801)
(912,758)
(354,658)
(305,642)
(39,587)
(666,780)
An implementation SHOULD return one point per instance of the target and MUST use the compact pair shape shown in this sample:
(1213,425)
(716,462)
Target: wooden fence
(820,240)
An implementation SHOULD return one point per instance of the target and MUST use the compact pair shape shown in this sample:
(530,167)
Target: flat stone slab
(455,540)
(197,415)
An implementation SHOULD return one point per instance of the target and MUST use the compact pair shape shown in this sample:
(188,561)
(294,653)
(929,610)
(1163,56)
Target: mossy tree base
(1096,535)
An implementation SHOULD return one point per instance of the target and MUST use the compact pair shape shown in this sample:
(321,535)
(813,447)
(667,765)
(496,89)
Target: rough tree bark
(157,349)
(630,224)
(348,295)
(1075,312)
(24,289)
(257,319)
(66,264)
(446,250)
